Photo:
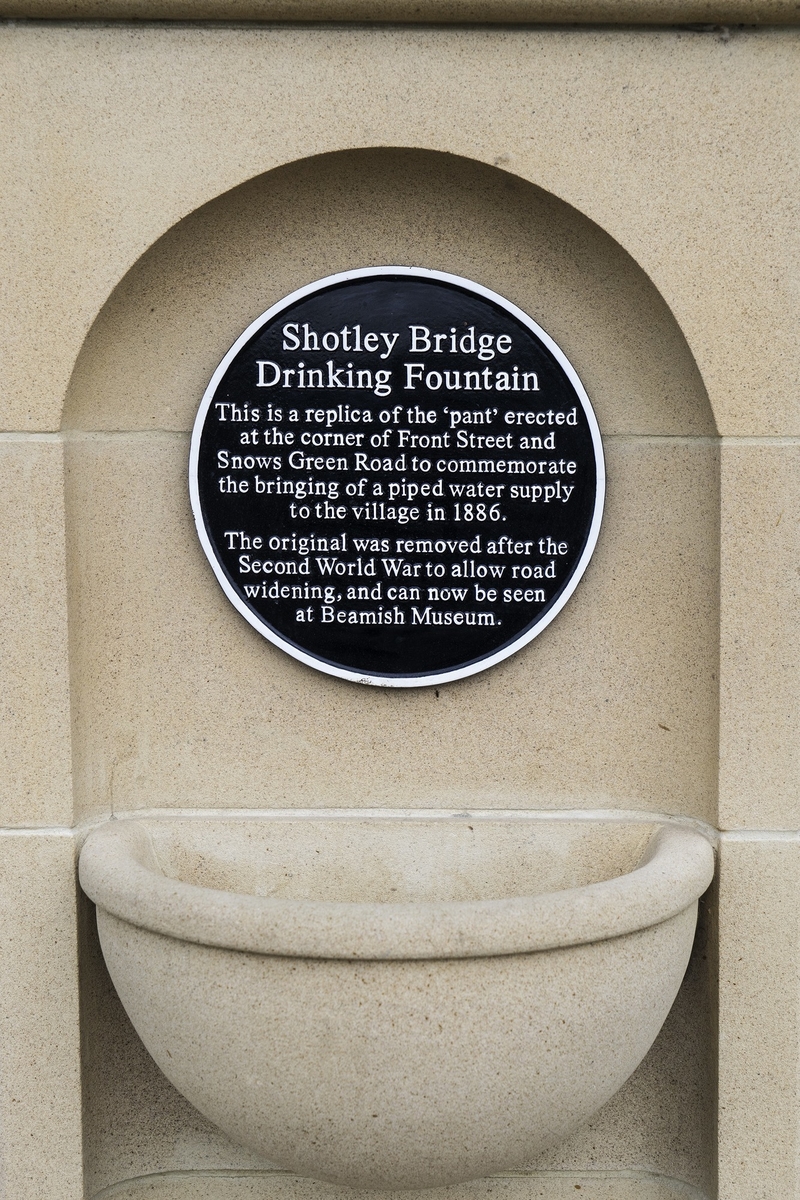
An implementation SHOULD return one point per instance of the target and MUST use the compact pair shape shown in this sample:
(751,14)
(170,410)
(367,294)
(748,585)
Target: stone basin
(396,1000)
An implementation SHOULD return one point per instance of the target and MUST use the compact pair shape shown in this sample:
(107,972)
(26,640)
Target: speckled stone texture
(396,1004)
(615,706)
(672,286)
(547,1185)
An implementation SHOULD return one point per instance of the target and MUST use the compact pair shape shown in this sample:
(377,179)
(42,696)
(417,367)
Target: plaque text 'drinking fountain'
(397,476)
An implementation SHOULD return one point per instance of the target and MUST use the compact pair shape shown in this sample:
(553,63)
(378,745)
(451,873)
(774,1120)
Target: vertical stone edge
(41,1151)
(35,727)
(759,1014)
(759,770)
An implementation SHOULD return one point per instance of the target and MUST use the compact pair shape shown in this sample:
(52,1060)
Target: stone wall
(633,189)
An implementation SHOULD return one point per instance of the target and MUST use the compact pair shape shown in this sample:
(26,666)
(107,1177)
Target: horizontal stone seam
(760,835)
(37,831)
(606,815)
(700,15)
(67,831)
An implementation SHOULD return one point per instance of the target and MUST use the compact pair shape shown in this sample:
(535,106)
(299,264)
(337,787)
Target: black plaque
(397,476)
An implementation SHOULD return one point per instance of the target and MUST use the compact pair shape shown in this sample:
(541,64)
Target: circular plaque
(397,476)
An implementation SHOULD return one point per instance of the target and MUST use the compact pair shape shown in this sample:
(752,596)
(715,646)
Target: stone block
(41,1152)
(760,636)
(758,1017)
(35,753)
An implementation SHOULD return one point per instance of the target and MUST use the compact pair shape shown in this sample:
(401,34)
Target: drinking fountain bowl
(396,1000)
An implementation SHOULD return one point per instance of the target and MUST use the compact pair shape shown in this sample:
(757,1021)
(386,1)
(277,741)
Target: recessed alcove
(178,703)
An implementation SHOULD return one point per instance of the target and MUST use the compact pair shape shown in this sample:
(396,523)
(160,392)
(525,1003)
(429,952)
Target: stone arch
(177,702)
(415,207)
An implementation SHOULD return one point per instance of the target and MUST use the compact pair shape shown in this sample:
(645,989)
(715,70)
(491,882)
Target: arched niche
(178,703)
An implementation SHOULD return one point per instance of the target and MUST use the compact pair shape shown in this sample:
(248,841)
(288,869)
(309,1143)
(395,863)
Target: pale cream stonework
(674,142)
(672,677)
(517,978)
(576,720)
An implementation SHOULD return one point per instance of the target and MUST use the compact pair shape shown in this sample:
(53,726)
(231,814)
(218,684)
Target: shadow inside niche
(135,1122)
(140,374)
(655,1140)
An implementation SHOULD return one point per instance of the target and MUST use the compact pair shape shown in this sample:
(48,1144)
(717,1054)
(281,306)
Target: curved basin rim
(118,870)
